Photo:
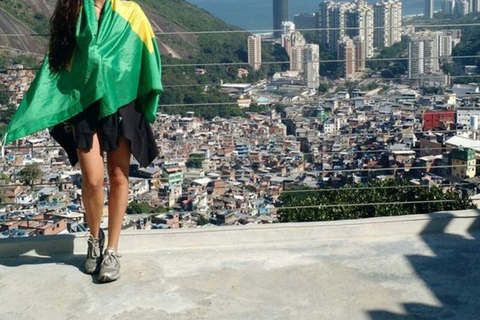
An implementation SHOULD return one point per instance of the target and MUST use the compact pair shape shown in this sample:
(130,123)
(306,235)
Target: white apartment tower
(288,30)
(360,23)
(311,66)
(306,60)
(428,13)
(423,55)
(462,7)
(288,27)
(287,44)
(296,39)
(255,52)
(444,43)
(387,23)
(296,59)
(380,26)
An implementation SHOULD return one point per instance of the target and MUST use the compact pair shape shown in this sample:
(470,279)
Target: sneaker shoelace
(93,247)
(111,257)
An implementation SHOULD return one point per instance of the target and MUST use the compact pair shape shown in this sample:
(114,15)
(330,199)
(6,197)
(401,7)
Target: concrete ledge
(459,222)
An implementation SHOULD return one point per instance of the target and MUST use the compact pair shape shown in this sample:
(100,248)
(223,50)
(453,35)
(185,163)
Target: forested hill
(31,16)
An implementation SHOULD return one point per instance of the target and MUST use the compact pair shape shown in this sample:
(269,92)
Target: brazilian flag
(115,62)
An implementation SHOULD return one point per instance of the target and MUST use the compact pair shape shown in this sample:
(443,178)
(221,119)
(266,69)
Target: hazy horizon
(258,15)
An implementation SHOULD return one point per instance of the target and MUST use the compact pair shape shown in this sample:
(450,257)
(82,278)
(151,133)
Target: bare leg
(118,163)
(91,164)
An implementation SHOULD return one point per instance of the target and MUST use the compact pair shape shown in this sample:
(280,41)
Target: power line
(349,152)
(317,172)
(374,188)
(302,153)
(313,61)
(19,50)
(319,153)
(319,29)
(193,85)
(319,206)
(340,171)
(338,135)
(253,31)
(218,64)
(322,190)
(16,185)
(207,104)
(253,85)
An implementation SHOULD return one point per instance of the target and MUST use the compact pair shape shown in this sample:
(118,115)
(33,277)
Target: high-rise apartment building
(360,54)
(448,7)
(311,65)
(423,55)
(324,20)
(295,39)
(360,23)
(255,52)
(291,38)
(338,19)
(332,20)
(306,60)
(287,44)
(462,7)
(475,6)
(288,27)
(428,12)
(288,35)
(456,35)
(280,14)
(296,59)
(387,23)
(444,43)
(346,53)
(305,20)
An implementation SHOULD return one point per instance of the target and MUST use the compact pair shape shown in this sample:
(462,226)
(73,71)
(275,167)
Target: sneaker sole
(106,279)
(92,271)
(96,269)
(89,271)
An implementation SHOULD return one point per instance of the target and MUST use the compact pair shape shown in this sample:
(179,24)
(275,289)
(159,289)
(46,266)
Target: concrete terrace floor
(417,267)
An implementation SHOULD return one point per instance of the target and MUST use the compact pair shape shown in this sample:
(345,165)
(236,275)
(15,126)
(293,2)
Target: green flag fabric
(115,62)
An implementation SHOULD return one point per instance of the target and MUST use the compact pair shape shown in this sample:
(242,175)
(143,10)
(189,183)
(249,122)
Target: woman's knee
(118,177)
(92,183)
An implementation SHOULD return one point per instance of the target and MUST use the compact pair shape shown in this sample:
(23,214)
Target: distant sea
(258,14)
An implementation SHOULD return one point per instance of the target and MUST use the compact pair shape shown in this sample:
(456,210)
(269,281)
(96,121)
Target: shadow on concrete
(453,276)
(58,249)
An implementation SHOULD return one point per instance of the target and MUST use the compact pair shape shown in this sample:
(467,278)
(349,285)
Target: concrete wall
(459,222)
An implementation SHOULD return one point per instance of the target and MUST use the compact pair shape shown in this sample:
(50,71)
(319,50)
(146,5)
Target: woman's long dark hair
(63,26)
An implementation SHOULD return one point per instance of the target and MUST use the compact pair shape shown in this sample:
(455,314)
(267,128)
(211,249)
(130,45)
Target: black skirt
(128,121)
